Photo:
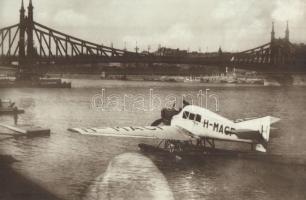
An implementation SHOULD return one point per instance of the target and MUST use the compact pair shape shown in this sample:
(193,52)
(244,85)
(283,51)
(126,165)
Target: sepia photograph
(152,100)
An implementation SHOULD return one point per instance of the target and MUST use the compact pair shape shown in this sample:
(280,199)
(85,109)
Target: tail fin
(261,126)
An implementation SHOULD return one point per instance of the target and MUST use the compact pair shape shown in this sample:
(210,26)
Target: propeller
(157,122)
(185,103)
(167,114)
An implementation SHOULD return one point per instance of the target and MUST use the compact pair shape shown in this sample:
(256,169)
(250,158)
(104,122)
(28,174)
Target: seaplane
(193,130)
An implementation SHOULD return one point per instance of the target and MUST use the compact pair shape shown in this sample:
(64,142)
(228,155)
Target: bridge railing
(67,45)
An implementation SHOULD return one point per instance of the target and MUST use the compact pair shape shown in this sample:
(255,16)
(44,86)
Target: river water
(73,166)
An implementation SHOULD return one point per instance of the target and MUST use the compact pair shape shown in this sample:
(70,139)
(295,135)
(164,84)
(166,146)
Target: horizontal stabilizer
(247,134)
(260,148)
(274,120)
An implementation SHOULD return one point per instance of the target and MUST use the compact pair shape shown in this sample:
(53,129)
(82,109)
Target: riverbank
(279,80)
(284,80)
(11,82)
(222,80)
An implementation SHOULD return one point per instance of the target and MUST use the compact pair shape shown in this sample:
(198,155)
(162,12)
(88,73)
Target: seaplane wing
(152,132)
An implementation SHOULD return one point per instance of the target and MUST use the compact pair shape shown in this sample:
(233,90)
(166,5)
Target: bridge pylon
(30,27)
(22,30)
(27,52)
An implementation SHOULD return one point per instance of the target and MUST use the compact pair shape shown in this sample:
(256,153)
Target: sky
(204,25)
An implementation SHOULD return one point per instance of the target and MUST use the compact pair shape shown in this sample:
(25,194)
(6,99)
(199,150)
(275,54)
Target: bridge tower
(272,33)
(287,32)
(22,28)
(220,51)
(27,51)
(30,26)
(273,48)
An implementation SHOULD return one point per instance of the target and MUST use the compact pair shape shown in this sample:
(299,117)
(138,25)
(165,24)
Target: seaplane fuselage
(205,123)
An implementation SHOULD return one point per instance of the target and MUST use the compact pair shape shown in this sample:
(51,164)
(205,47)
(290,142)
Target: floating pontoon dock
(28,130)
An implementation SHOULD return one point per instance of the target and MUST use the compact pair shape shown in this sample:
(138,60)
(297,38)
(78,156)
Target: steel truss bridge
(30,43)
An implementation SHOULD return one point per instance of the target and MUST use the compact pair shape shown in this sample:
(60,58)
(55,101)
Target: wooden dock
(10,111)
(28,130)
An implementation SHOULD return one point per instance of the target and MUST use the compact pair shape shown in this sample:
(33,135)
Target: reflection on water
(128,176)
(67,163)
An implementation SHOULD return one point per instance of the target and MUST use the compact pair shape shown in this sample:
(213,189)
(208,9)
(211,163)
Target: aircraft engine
(166,116)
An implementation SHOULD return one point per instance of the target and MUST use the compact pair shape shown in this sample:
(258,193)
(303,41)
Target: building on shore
(164,51)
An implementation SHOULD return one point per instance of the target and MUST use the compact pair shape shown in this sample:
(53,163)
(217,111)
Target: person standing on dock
(15,113)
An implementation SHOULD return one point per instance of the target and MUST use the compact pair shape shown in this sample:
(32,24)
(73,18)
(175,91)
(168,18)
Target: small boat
(41,83)
(8,107)
(192,79)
